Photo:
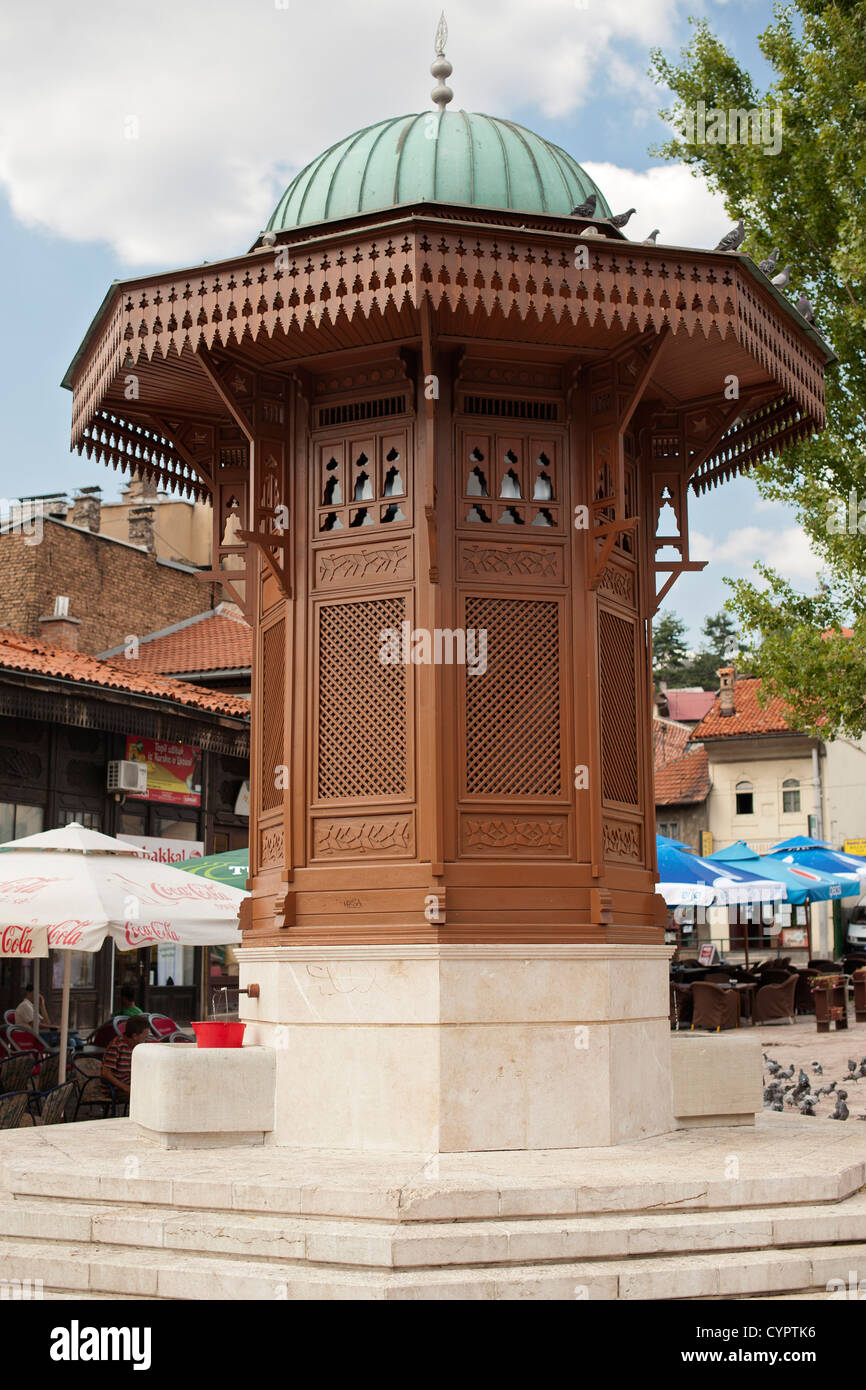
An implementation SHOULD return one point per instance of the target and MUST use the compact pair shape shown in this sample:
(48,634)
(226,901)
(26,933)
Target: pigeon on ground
(852,1065)
(817,1069)
(826,1090)
(586,209)
(622,218)
(781,280)
(805,308)
(807,1106)
(841,1112)
(732,239)
(651,239)
(777,1105)
(769,265)
(786,1075)
(773,1067)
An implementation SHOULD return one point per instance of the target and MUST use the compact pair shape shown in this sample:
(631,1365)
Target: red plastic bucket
(213,1034)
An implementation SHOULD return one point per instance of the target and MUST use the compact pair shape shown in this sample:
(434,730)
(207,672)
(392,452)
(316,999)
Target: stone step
(161,1273)
(380,1245)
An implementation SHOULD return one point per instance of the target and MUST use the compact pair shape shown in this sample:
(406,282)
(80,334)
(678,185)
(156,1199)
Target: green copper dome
(474,160)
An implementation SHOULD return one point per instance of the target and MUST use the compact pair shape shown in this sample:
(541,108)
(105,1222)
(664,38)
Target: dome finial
(440,67)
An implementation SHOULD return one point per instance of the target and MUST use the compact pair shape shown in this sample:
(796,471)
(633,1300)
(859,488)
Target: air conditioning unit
(125,776)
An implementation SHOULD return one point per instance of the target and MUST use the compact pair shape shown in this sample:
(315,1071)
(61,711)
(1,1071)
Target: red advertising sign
(173,770)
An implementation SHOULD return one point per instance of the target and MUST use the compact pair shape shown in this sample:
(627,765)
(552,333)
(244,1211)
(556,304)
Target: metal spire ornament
(440,67)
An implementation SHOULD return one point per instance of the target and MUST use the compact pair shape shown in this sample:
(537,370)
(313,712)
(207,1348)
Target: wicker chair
(824,967)
(52,1105)
(714,1007)
(776,1001)
(16,1071)
(86,1072)
(13,1108)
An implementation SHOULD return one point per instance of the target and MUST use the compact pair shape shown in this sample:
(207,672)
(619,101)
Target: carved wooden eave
(367,283)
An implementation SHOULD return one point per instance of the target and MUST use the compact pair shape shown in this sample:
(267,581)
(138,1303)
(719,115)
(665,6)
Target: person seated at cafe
(117,1061)
(128,1006)
(24,1012)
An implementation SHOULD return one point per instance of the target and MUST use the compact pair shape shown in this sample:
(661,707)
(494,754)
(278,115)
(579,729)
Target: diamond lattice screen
(513,709)
(619,781)
(273,704)
(362,702)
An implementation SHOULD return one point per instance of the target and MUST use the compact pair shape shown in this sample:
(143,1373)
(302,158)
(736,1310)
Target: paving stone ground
(801,1044)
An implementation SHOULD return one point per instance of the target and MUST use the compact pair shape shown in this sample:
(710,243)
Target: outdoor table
(831,1004)
(747,1000)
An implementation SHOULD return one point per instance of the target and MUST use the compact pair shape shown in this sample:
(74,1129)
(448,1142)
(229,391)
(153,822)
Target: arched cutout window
(745,799)
(790,795)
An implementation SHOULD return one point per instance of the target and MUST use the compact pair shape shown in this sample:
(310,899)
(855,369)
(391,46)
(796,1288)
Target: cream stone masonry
(465,1048)
(191,1097)
(717,1078)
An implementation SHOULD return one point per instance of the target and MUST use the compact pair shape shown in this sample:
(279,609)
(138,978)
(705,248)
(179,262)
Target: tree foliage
(809,200)
(671,659)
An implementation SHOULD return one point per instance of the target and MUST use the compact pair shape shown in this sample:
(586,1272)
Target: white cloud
(786,550)
(667,196)
(234,96)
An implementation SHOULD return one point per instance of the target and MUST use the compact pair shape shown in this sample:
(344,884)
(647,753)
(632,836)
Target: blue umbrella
(686,879)
(672,844)
(804,884)
(814,854)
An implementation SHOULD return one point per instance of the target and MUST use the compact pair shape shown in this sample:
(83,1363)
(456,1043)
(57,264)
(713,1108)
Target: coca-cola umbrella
(81,886)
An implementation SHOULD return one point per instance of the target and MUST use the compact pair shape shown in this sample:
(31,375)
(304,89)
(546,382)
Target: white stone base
(717,1078)
(449,1049)
(191,1097)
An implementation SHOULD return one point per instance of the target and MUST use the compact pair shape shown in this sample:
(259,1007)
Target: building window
(745,799)
(16,821)
(91,820)
(790,795)
(671,828)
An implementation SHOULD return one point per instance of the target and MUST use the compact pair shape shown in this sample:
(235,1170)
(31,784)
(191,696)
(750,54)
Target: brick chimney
(727,679)
(87,508)
(141,528)
(58,629)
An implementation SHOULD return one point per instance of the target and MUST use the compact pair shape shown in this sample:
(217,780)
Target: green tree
(810,201)
(669,648)
(718,648)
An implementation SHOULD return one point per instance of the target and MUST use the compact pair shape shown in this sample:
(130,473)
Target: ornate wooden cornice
(532,283)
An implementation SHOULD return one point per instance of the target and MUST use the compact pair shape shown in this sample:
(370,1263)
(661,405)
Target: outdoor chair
(47,1075)
(23,1040)
(681,1004)
(50,1106)
(9,1016)
(775,1001)
(852,963)
(718,977)
(162,1026)
(86,1073)
(714,1007)
(106,1032)
(13,1108)
(16,1071)
(824,967)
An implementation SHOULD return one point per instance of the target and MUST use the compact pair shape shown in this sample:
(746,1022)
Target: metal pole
(64,1013)
(35,983)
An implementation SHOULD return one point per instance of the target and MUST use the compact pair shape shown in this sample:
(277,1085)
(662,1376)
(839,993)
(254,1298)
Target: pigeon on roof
(781,280)
(586,209)
(769,265)
(732,239)
(622,218)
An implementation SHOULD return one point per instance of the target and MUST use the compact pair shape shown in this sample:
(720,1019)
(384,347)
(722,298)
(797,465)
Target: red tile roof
(748,717)
(689,704)
(219,640)
(27,654)
(670,741)
(683,781)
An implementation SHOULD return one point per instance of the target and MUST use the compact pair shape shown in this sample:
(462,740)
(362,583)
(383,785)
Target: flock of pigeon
(731,241)
(800,1095)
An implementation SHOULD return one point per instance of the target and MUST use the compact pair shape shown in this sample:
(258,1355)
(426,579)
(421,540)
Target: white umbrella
(82,887)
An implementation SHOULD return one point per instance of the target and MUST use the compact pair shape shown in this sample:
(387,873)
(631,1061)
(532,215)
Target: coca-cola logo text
(18,890)
(16,941)
(155,893)
(68,933)
(145,932)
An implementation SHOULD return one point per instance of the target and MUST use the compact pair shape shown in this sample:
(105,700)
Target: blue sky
(226,114)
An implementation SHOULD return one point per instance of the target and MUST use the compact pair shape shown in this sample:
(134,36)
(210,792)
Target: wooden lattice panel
(273,695)
(509,479)
(363,483)
(513,715)
(619,709)
(363,731)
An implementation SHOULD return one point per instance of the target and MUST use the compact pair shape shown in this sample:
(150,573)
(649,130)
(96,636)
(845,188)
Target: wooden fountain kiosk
(430,399)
